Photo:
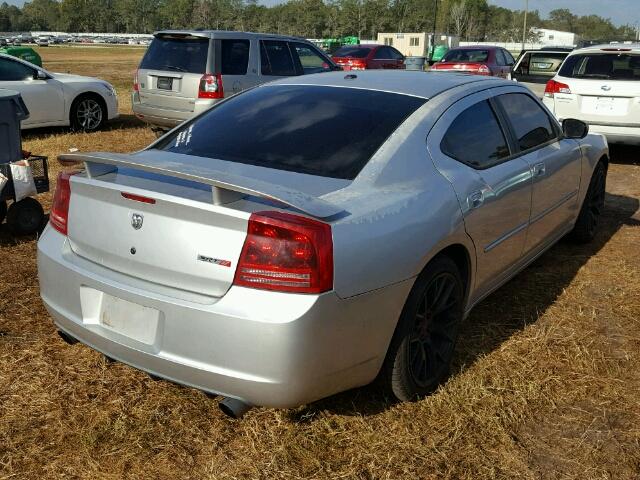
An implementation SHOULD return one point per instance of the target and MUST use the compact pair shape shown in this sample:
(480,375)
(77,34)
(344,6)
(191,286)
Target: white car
(59,99)
(600,85)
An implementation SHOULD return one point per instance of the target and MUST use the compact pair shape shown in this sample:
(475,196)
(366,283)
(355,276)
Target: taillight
(484,70)
(287,253)
(358,65)
(211,86)
(136,86)
(555,87)
(59,217)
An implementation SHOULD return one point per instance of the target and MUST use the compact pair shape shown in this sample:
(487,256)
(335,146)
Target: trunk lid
(176,242)
(600,101)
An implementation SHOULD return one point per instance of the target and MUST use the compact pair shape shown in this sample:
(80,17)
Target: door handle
(475,199)
(539,169)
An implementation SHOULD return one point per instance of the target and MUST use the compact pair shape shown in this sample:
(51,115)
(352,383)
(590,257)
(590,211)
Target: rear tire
(88,113)
(420,353)
(587,223)
(25,217)
(3,210)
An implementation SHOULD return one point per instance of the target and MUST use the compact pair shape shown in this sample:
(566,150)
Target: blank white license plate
(130,319)
(605,105)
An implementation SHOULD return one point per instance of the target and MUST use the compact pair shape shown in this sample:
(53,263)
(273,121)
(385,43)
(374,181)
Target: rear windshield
(317,130)
(466,56)
(177,54)
(353,52)
(609,66)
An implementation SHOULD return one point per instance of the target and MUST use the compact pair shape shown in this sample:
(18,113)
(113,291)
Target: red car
(365,57)
(477,60)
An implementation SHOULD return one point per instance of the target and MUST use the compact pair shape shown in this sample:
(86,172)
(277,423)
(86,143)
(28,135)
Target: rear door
(604,88)
(555,165)
(170,72)
(471,149)
(232,62)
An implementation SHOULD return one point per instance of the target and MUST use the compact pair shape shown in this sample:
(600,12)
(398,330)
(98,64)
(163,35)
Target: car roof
(477,47)
(415,83)
(609,47)
(227,34)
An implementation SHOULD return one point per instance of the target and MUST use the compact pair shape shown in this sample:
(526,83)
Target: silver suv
(185,72)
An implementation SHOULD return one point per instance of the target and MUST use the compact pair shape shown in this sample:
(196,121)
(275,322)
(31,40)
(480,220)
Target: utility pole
(432,47)
(524,28)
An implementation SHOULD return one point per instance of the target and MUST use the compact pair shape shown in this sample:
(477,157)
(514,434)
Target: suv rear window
(317,130)
(177,54)
(235,57)
(609,66)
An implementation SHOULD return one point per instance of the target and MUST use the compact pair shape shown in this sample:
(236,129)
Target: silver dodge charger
(315,233)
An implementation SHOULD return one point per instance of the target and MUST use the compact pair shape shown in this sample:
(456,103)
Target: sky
(619,11)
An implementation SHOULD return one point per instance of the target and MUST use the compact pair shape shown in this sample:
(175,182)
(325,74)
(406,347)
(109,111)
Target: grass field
(546,381)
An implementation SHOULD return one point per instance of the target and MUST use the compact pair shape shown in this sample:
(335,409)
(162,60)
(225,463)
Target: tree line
(472,20)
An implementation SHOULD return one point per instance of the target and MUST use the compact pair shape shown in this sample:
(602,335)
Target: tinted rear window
(325,131)
(466,56)
(610,66)
(352,52)
(177,54)
(235,57)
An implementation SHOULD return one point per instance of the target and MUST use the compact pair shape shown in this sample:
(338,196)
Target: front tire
(587,223)
(419,357)
(88,113)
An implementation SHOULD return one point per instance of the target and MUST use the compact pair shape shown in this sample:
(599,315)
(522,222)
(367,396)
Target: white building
(555,38)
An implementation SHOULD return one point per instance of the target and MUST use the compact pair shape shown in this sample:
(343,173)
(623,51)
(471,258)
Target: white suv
(600,85)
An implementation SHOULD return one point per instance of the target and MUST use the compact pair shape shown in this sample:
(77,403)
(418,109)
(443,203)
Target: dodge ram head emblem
(136,221)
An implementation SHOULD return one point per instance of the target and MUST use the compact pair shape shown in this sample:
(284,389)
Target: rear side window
(500,58)
(276,59)
(609,66)
(317,130)
(177,54)
(475,137)
(532,126)
(353,52)
(234,57)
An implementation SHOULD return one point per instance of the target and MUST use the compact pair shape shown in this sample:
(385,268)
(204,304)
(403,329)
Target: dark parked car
(477,60)
(368,57)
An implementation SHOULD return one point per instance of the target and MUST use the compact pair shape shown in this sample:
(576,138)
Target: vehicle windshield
(353,52)
(178,54)
(316,130)
(463,56)
(608,66)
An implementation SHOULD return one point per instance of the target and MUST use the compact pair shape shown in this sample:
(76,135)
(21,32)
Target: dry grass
(546,382)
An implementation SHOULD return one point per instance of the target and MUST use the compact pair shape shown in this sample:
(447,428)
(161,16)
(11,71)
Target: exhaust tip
(67,338)
(234,408)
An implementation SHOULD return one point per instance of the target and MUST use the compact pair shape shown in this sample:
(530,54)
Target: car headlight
(110,88)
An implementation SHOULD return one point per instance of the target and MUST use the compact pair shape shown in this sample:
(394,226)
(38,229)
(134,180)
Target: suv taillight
(211,86)
(59,217)
(136,86)
(286,253)
(555,87)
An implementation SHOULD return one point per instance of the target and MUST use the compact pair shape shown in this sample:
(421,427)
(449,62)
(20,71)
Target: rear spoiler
(225,187)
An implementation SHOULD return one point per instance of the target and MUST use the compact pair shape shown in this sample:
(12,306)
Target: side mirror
(573,128)
(40,75)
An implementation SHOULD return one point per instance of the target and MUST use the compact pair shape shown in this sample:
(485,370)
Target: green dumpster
(437,53)
(25,53)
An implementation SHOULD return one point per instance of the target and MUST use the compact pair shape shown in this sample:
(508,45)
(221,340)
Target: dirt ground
(546,382)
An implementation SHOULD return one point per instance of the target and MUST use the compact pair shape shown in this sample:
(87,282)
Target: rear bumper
(164,117)
(265,348)
(617,134)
